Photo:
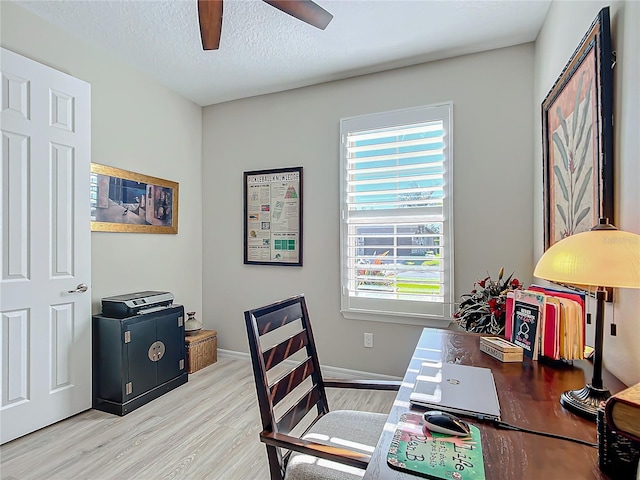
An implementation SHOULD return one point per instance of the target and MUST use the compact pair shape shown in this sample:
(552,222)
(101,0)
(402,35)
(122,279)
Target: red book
(508,316)
(551,332)
(579,298)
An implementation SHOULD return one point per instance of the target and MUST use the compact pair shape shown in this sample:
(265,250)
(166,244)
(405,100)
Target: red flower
(487,299)
(492,305)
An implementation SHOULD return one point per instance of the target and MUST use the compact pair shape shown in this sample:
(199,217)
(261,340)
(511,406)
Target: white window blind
(396,227)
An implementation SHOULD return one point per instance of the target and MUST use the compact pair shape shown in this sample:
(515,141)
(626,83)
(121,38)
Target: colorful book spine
(571,330)
(550,339)
(560,329)
(508,307)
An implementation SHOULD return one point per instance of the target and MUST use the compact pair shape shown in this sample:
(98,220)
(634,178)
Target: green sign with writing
(417,450)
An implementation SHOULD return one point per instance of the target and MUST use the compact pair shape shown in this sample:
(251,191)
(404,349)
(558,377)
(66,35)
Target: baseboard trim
(233,354)
(326,369)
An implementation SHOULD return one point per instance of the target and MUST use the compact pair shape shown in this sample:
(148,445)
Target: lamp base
(584,402)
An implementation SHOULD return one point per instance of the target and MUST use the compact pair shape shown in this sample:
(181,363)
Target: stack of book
(618,423)
(547,322)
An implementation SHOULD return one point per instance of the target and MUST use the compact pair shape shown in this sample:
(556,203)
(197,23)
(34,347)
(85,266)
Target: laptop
(459,389)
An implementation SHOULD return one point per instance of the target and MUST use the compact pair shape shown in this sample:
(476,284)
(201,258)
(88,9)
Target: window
(396,216)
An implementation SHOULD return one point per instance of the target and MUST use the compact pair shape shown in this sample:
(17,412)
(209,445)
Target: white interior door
(46,246)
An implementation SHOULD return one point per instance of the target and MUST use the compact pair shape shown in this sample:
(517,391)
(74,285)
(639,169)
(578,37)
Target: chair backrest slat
(285,385)
(306,368)
(269,318)
(297,412)
(285,349)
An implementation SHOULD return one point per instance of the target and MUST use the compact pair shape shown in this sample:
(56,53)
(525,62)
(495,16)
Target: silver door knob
(81,288)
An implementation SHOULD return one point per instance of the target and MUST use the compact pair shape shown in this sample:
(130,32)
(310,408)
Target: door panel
(62,208)
(46,331)
(15,329)
(61,346)
(15,220)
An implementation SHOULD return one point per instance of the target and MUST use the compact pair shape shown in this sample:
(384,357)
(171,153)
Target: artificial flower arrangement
(484,309)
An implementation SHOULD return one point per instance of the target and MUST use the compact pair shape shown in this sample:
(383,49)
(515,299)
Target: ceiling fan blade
(210,15)
(305,10)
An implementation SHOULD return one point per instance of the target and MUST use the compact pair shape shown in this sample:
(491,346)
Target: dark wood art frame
(123,201)
(577,131)
(272,226)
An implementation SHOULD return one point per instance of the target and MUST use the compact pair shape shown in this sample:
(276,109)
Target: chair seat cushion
(358,431)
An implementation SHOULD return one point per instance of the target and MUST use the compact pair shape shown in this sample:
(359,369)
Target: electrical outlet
(368,340)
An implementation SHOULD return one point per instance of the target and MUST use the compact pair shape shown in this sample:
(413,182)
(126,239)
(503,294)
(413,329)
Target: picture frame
(272,230)
(577,131)
(123,201)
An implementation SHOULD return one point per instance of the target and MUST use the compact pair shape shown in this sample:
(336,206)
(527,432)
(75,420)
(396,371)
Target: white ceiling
(264,50)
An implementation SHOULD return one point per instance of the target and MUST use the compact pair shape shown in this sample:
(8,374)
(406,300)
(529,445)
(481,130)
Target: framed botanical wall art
(577,131)
(273,217)
(123,201)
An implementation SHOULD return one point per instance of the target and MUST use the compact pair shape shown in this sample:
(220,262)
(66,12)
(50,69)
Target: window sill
(373,316)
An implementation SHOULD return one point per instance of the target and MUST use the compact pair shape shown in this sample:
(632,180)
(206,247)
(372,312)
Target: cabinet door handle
(81,288)
(156,351)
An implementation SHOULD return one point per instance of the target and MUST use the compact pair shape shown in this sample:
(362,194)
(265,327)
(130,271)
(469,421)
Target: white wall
(564,27)
(140,126)
(493,192)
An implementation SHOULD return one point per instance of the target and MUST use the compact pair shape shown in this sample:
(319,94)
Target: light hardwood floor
(205,429)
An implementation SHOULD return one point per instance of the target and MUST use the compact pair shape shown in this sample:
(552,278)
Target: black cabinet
(137,359)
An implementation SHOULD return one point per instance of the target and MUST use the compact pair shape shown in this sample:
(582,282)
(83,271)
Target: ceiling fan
(210,15)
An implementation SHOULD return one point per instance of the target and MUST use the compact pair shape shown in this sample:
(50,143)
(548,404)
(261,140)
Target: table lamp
(602,257)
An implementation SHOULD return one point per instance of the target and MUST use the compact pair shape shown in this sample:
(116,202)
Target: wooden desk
(529,396)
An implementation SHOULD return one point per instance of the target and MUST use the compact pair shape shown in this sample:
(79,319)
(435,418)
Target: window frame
(440,313)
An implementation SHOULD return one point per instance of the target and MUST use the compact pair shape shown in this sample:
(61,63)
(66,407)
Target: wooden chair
(343,436)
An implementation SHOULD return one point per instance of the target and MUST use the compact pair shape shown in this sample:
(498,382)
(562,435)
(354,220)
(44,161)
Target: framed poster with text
(273,217)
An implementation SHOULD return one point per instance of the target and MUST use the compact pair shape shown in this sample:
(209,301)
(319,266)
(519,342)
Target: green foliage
(574,174)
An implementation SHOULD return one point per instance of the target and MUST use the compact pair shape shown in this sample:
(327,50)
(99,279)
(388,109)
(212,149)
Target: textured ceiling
(264,50)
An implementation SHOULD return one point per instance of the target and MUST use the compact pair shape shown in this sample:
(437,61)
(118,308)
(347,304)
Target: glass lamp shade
(600,257)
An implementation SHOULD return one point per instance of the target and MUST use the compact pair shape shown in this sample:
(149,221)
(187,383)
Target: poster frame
(572,173)
(272,177)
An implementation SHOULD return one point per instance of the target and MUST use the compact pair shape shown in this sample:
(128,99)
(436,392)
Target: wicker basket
(202,350)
